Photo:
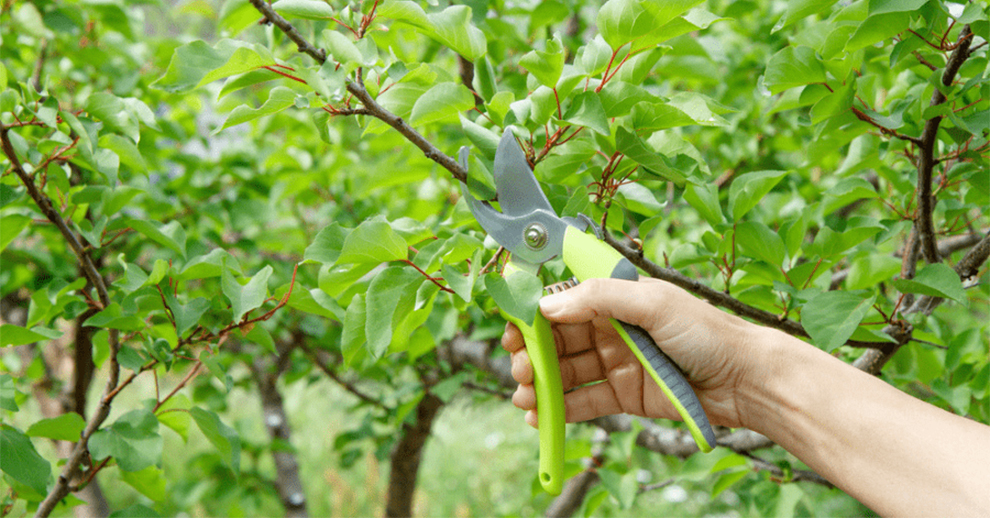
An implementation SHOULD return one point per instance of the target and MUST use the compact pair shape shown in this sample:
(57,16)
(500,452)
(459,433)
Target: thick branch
(970,264)
(717,297)
(287,481)
(406,457)
(926,151)
(872,361)
(357,89)
(45,205)
(79,452)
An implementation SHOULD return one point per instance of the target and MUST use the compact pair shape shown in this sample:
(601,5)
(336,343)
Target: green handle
(588,258)
(549,396)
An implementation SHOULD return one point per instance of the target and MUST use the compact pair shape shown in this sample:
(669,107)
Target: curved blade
(518,191)
(509,231)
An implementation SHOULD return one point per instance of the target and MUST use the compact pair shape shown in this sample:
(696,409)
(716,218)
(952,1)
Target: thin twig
(348,386)
(357,89)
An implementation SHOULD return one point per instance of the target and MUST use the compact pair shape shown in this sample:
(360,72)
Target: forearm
(896,454)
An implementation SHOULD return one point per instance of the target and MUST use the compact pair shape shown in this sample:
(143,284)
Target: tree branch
(348,386)
(71,468)
(407,455)
(926,151)
(357,89)
(287,481)
(969,265)
(717,297)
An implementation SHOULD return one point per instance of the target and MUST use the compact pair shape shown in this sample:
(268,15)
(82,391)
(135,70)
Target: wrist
(771,383)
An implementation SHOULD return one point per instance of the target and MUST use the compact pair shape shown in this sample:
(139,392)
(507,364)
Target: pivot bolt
(535,236)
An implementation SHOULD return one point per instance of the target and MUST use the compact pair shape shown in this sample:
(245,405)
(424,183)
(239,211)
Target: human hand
(716,351)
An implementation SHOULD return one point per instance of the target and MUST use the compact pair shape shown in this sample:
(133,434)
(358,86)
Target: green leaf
(639,199)
(452,27)
(935,280)
(352,337)
(747,190)
(622,21)
(586,110)
(189,64)
(209,265)
(173,415)
(835,103)
(830,318)
(223,437)
(461,284)
(858,229)
(632,146)
(800,9)
(186,315)
(870,270)
(279,98)
(595,56)
(373,241)
(847,191)
(341,48)
(110,110)
(307,9)
(406,12)
(704,199)
(384,294)
(793,66)
(442,103)
(655,116)
(11,226)
(546,64)
(518,295)
(193,61)
(894,6)
(757,240)
(618,99)
(132,440)
(66,427)
(170,235)
(727,480)
(484,80)
(314,301)
(622,487)
(22,462)
(878,27)
(249,296)
(259,335)
(7,393)
(243,59)
(149,481)
(327,244)
(17,335)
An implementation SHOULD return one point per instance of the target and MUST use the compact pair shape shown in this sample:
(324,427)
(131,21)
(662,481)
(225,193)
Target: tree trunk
(287,481)
(406,457)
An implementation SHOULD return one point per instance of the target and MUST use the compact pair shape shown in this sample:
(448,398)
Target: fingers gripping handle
(671,381)
(588,257)
(549,399)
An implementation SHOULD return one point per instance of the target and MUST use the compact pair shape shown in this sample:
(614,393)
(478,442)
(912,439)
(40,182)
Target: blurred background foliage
(228,267)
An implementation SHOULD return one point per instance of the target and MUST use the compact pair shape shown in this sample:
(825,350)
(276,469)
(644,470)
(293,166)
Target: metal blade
(518,191)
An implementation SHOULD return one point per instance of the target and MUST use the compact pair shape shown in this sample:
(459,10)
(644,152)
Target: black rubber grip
(672,376)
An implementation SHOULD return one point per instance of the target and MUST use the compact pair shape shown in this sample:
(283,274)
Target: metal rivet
(535,236)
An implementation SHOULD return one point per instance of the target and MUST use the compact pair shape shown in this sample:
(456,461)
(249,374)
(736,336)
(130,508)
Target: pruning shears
(529,228)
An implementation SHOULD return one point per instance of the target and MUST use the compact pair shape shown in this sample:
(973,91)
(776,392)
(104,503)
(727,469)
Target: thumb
(628,301)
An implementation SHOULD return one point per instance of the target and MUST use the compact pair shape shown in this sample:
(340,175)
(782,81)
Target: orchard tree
(238,277)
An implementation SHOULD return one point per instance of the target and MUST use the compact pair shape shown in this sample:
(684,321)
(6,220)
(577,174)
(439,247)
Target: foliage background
(236,263)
